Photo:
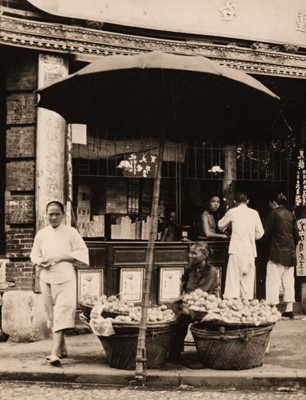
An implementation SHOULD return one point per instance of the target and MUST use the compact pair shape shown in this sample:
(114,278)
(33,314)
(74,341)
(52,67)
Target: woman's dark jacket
(282,232)
(203,276)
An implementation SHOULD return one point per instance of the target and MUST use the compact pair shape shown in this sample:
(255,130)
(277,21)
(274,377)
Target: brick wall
(21,81)
(22,273)
(20,141)
(19,242)
(20,175)
(19,209)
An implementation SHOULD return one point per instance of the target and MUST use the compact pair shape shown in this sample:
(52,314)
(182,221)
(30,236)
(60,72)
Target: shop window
(113,179)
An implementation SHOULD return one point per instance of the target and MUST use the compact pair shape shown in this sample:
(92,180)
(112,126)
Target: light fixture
(216,169)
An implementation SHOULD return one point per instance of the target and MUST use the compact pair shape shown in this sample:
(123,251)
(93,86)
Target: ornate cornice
(86,43)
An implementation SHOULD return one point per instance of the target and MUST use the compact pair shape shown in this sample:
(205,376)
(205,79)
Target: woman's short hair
(211,195)
(205,248)
(58,203)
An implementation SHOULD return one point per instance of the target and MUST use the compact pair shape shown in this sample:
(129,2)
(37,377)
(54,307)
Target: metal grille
(254,162)
(133,196)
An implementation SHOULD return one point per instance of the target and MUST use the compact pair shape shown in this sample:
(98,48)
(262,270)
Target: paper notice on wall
(79,133)
(301,248)
(3,262)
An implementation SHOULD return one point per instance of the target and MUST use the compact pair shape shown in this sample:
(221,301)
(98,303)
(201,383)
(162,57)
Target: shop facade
(106,184)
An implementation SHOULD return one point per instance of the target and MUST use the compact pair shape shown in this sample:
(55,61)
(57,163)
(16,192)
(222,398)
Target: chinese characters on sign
(300,186)
(228,11)
(301,248)
(301,22)
(139,164)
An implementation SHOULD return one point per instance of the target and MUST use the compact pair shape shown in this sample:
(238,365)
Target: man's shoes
(288,314)
(63,355)
(54,361)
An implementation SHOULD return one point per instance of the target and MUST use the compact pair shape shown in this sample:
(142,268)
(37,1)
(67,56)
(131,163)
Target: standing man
(57,249)
(282,232)
(246,228)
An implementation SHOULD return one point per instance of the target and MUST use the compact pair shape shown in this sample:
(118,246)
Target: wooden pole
(68,176)
(141,357)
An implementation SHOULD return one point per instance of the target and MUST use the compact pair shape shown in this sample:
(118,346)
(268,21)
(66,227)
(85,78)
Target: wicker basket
(86,310)
(121,348)
(197,315)
(233,349)
(223,326)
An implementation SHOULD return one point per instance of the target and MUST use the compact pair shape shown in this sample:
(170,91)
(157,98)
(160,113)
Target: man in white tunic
(246,228)
(57,249)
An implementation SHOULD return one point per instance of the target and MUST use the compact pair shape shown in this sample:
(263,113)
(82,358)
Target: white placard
(79,133)
(90,282)
(131,283)
(3,262)
(170,283)
(301,248)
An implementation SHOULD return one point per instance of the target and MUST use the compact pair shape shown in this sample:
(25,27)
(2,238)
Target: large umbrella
(168,96)
(186,95)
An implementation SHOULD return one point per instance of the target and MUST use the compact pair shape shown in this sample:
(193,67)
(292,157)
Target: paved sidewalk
(284,366)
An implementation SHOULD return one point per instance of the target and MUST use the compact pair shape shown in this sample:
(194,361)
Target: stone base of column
(23,316)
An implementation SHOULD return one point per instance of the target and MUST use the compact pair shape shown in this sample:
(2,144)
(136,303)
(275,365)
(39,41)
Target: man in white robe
(246,228)
(57,249)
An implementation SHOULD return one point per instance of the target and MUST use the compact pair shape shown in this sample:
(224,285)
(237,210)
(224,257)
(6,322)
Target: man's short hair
(241,197)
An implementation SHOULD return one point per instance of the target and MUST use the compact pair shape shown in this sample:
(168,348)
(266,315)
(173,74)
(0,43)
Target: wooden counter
(124,261)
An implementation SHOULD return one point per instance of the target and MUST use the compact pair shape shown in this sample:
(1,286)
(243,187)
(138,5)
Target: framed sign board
(131,284)
(170,283)
(90,282)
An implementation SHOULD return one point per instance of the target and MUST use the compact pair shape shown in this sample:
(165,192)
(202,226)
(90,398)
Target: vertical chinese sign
(300,202)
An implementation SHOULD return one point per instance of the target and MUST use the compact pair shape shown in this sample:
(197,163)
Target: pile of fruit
(88,300)
(155,315)
(230,310)
(121,311)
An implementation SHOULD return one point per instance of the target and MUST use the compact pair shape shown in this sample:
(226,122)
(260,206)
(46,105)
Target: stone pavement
(285,365)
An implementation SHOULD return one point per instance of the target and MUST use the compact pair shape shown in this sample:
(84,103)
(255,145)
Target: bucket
(231,349)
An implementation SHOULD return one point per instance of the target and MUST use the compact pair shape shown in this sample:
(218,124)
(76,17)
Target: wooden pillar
(230,175)
(50,143)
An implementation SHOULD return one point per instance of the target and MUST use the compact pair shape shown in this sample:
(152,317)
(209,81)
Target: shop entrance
(113,185)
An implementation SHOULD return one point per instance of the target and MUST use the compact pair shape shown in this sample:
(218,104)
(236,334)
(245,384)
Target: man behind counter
(171,231)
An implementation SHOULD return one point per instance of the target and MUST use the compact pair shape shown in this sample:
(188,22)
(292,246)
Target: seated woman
(209,219)
(199,274)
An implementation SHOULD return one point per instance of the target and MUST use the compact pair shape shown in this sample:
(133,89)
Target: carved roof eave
(87,43)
